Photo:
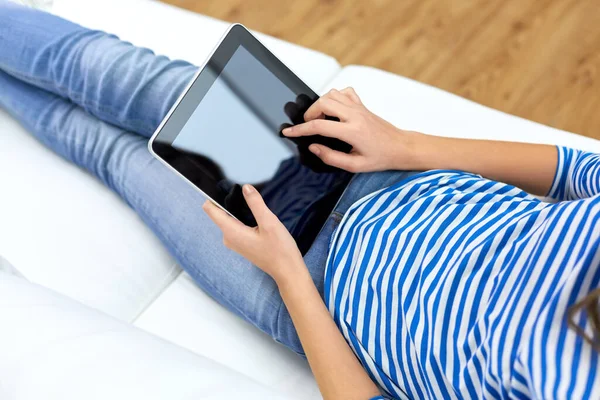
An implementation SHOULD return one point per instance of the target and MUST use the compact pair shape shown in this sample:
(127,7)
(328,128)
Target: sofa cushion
(413,105)
(54,348)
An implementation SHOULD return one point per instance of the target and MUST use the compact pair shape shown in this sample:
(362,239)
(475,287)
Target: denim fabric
(94,100)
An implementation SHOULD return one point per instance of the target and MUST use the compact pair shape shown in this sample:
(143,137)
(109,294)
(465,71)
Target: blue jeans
(95,100)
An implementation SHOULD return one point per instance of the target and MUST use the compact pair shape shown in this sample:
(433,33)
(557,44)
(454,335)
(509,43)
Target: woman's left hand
(269,246)
(377,145)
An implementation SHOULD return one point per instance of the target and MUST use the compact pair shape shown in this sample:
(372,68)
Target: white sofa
(104,311)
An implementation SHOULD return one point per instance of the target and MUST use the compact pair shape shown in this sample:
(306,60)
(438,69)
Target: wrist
(409,151)
(294,278)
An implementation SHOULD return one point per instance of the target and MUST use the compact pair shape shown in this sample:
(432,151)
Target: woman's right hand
(376,144)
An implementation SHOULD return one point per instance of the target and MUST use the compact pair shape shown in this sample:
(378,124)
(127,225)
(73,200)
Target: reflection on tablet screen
(232,129)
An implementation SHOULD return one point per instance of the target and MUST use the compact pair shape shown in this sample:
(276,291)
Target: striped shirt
(448,285)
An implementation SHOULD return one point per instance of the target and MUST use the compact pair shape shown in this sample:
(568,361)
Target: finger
(257,205)
(303,101)
(327,106)
(351,94)
(322,127)
(293,112)
(230,227)
(282,127)
(338,96)
(348,162)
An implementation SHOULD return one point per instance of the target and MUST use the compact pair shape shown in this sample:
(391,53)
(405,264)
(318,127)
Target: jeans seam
(277,338)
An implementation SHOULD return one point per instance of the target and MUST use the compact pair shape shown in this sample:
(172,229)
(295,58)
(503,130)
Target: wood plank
(538,59)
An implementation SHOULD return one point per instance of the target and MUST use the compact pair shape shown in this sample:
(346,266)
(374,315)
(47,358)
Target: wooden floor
(539,59)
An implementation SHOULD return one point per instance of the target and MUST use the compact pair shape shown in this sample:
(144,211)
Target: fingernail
(248,189)
(315,149)
(286,131)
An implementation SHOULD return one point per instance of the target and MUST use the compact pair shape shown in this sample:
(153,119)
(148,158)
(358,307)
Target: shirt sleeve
(577,175)
(377,398)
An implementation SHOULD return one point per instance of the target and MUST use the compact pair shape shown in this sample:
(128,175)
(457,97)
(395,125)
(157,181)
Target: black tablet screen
(227,132)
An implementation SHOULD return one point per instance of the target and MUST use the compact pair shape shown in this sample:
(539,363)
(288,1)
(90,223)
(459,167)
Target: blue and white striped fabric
(448,285)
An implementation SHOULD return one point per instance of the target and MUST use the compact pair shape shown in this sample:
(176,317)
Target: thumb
(334,158)
(257,205)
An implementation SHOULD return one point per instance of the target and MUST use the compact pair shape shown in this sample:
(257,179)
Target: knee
(103,149)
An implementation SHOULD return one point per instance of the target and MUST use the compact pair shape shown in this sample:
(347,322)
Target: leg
(121,84)
(165,202)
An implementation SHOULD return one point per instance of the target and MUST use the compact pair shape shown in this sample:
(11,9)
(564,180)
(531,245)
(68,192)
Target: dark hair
(590,304)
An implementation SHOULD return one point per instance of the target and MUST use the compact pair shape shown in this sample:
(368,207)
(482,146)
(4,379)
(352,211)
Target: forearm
(529,166)
(337,370)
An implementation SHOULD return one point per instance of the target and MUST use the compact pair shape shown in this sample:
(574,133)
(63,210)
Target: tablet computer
(225,131)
